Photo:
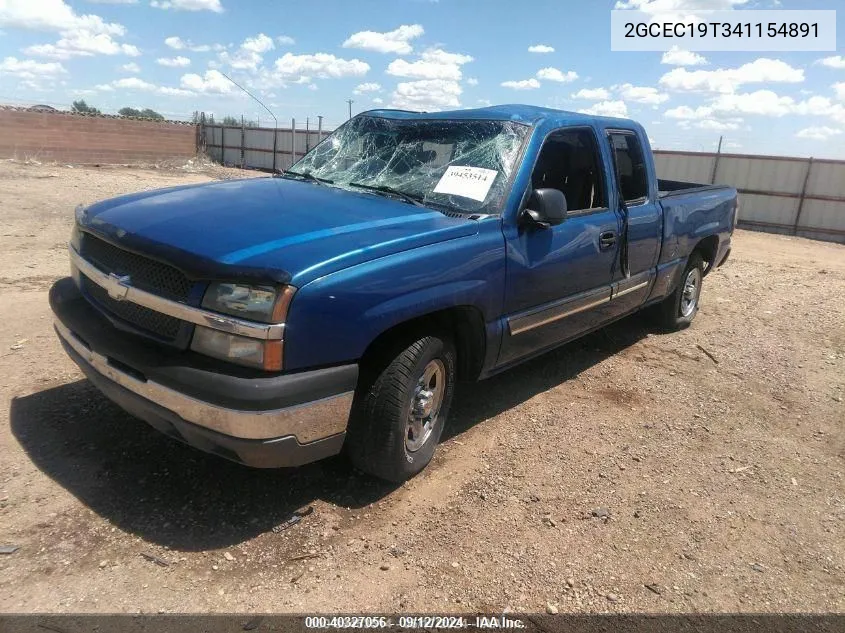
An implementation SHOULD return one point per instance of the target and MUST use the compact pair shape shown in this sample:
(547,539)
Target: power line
(257,100)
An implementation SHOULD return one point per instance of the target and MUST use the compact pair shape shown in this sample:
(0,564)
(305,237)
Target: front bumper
(261,420)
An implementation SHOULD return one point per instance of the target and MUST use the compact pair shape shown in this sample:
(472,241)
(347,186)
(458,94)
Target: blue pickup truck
(333,307)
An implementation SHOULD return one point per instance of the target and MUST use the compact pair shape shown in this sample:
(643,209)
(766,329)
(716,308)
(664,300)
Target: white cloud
(52,16)
(839,89)
(378,100)
(607,108)
(553,74)
(427,95)
(668,6)
(837,61)
(592,94)
(727,80)
(258,44)
(367,87)
(678,57)
(113,1)
(432,64)
(188,5)
(541,49)
(485,102)
(131,67)
(523,84)
(322,65)
(687,113)
(82,44)
(396,41)
(641,94)
(285,40)
(133,83)
(30,69)
(761,102)
(173,62)
(211,82)
(821,133)
(177,43)
(472,81)
(821,106)
(81,35)
(250,54)
(716,125)
(138,84)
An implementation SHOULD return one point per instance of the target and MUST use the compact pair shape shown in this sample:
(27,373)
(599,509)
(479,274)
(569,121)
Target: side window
(569,162)
(632,172)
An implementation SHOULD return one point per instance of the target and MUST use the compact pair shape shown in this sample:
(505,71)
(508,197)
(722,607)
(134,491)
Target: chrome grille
(156,323)
(146,274)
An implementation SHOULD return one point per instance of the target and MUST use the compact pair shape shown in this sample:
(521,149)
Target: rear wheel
(400,412)
(679,309)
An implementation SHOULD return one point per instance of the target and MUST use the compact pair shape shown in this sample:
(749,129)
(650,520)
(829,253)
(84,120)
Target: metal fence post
(243,140)
(803,196)
(222,144)
(292,141)
(275,142)
(716,161)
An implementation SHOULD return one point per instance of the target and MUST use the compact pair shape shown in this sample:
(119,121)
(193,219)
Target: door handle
(607,240)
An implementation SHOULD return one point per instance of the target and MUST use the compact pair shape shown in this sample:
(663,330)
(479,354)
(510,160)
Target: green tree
(236,122)
(83,108)
(146,113)
(151,114)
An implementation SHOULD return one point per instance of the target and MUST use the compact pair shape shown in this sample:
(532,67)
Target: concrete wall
(73,138)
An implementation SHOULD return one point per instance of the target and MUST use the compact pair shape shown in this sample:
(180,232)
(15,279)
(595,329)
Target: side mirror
(546,207)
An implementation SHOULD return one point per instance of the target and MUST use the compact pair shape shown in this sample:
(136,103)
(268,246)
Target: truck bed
(668,188)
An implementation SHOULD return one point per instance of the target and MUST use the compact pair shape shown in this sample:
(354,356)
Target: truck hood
(272,229)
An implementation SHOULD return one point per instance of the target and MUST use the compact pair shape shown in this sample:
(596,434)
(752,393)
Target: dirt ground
(721,482)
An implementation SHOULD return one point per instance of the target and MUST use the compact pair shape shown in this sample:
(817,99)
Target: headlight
(241,350)
(76,237)
(75,233)
(265,304)
(254,303)
(76,242)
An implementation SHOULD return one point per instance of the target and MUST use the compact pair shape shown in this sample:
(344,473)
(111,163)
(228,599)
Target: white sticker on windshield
(469,182)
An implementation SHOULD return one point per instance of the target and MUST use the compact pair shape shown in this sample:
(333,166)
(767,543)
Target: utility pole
(319,128)
(350,102)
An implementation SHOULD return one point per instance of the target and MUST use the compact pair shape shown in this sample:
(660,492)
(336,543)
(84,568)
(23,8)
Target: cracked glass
(421,161)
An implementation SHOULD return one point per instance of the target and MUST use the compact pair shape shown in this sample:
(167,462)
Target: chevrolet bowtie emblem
(118,286)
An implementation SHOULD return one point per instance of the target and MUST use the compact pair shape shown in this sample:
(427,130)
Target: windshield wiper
(306,175)
(411,199)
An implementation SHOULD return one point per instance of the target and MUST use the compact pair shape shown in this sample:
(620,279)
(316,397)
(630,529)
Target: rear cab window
(630,163)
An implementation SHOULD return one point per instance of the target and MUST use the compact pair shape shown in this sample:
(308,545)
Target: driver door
(559,278)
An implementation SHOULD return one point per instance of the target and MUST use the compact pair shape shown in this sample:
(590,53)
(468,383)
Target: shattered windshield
(461,165)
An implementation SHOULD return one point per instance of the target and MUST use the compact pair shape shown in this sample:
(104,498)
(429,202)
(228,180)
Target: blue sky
(306,59)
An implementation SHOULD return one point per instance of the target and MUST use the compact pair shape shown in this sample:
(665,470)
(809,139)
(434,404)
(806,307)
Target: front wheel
(398,418)
(679,309)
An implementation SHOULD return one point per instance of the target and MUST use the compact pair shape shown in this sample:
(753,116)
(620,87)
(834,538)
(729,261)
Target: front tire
(678,310)
(400,413)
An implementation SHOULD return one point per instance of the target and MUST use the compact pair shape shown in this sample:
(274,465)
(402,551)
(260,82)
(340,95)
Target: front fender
(334,318)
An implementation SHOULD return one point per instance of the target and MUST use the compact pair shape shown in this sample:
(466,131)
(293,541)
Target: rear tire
(401,408)
(678,310)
